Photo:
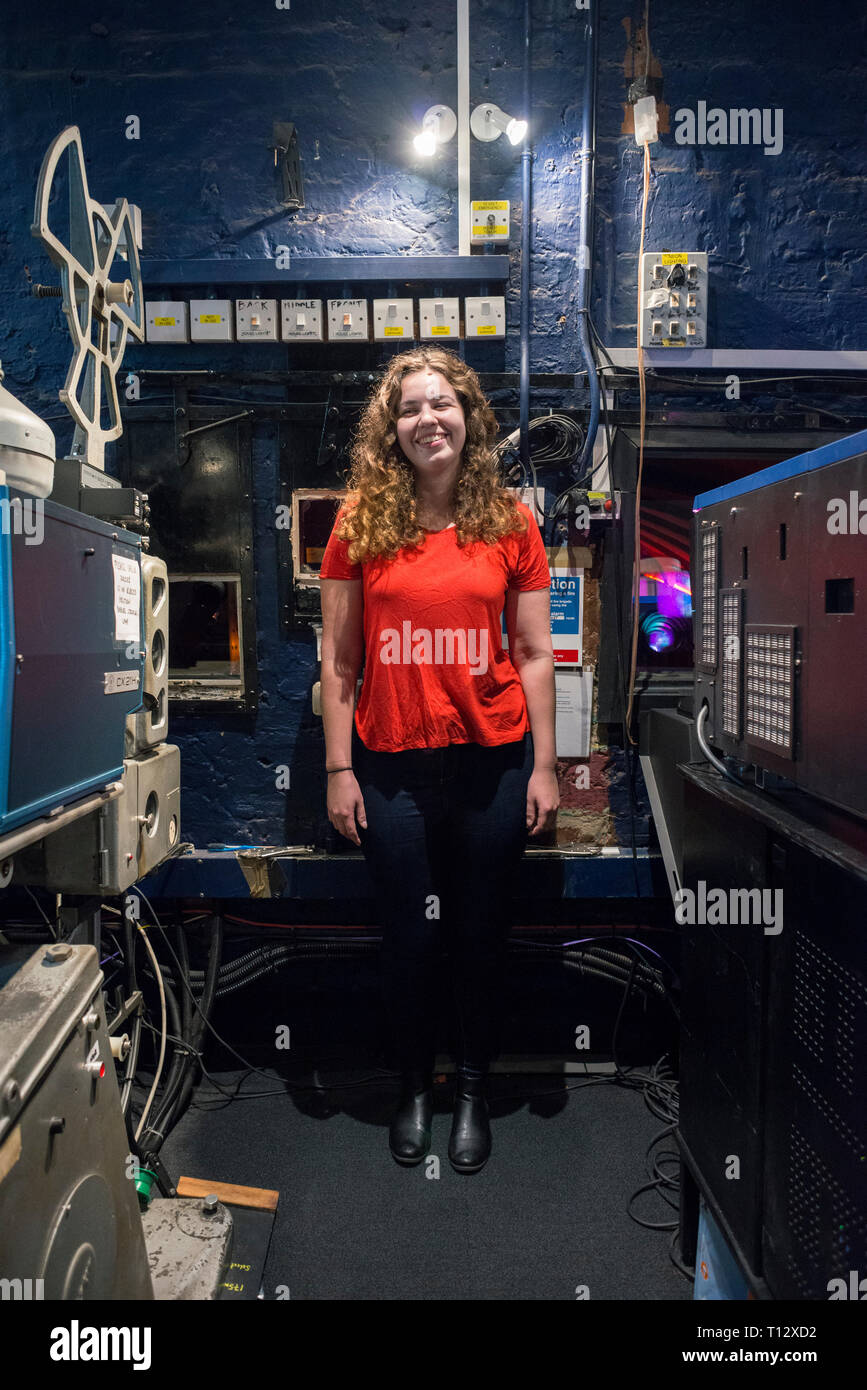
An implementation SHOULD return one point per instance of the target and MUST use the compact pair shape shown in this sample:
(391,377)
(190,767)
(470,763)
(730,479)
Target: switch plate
(392,318)
(490,220)
(663,303)
(256,320)
(347,321)
(167,321)
(439,318)
(302,320)
(211,321)
(485,316)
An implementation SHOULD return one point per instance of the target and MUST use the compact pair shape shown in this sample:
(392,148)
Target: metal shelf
(326,269)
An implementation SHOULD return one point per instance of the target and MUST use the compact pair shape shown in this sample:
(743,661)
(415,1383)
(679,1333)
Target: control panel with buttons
(674,299)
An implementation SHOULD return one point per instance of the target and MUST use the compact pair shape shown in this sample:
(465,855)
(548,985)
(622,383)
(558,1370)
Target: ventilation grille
(770,688)
(731,662)
(709,580)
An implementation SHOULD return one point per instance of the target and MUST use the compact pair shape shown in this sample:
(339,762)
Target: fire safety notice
(127,598)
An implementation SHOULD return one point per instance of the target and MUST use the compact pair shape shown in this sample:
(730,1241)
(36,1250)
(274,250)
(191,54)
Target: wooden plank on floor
(261,1198)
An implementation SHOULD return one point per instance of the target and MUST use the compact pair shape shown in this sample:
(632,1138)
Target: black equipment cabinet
(774,1038)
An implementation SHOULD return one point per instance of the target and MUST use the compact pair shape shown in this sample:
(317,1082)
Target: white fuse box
(256,320)
(211,320)
(392,318)
(167,321)
(347,321)
(674,299)
(490,220)
(301,320)
(485,317)
(439,318)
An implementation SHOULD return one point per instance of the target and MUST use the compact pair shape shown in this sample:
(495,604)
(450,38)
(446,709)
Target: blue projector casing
(67,680)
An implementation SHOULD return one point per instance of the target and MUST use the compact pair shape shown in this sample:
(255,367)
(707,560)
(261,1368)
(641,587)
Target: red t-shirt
(436,671)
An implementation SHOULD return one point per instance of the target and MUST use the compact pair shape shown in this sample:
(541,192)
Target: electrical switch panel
(490,220)
(347,321)
(302,320)
(256,320)
(674,299)
(211,321)
(167,321)
(439,318)
(485,317)
(392,318)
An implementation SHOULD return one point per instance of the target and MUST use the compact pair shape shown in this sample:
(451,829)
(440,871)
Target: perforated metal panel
(730,617)
(770,688)
(709,580)
(816,1213)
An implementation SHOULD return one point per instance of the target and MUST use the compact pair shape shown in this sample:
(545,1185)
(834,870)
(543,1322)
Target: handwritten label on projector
(127,598)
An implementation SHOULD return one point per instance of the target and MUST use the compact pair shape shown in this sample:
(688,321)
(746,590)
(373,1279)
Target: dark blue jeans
(446,829)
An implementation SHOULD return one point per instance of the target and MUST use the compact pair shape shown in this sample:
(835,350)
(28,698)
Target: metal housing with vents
(780,578)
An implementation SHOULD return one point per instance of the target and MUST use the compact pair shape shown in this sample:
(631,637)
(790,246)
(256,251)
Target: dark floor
(546,1214)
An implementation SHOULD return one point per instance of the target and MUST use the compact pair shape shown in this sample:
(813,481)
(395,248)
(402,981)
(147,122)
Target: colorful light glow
(671,591)
(659,632)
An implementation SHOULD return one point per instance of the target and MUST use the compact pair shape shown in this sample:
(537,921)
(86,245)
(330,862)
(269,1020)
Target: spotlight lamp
(488,122)
(437,128)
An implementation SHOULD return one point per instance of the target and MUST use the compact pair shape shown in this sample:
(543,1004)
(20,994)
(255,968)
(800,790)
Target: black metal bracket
(327,451)
(285,147)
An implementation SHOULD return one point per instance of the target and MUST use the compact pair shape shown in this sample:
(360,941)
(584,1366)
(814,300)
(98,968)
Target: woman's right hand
(345,802)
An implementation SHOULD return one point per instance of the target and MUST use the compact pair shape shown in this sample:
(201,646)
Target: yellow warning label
(486,328)
(441,330)
(393,332)
(674,258)
(499,206)
(210,318)
(674,342)
(164,323)
(490,231)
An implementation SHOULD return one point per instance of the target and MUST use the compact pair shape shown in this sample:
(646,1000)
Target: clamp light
(437,128)
(488,122)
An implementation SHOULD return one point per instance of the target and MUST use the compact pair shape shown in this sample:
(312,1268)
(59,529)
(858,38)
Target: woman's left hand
(543,800)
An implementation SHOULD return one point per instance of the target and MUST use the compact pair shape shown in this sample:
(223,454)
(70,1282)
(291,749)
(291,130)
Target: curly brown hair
(380,501)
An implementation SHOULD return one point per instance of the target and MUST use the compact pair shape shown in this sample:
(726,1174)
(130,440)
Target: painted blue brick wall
(786,235)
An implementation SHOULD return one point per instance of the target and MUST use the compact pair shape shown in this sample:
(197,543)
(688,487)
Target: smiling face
(430,422)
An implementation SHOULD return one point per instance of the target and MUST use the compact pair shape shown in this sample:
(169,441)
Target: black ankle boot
(410,1133)
(470,1140)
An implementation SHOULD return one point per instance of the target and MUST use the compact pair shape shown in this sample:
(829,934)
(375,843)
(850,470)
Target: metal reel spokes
(84,240)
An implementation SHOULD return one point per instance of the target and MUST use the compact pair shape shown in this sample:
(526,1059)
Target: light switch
(485,317)
(347,320)
(392,318)
(301,320)
(256,320)
(439,318)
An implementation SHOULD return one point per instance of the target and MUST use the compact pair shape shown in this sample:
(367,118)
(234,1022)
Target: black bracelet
(329,770)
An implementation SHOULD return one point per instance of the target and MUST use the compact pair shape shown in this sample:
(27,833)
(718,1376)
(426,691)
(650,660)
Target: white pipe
(735,357)
(463,127)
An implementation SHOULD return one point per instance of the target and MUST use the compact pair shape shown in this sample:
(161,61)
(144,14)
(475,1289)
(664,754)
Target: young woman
(448,764)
